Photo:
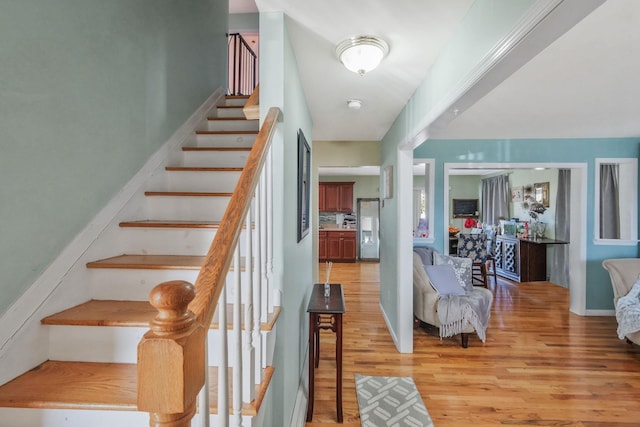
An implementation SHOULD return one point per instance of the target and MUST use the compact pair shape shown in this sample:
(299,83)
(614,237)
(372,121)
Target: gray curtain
(560,258)
(495,199)
(609,202)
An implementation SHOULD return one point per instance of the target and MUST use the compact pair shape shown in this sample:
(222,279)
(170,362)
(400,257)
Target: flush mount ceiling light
(362,54)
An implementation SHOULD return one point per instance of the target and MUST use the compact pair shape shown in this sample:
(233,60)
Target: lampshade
(362,54)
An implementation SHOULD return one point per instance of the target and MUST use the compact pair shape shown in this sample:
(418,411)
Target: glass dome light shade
(362,54)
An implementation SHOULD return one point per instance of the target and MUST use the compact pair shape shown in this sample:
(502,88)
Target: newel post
(171,358)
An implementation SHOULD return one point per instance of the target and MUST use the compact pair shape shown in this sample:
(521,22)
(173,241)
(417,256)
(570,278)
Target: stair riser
(31,417)
(132,284)
(115,344)
(186,208)
(224,182)
(214,158)
(240,101)
(161,241)
(233,125)
(229,112)
(216,140)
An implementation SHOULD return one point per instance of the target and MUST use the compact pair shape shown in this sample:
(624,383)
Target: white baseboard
(26,310)
(600,313)
(389,328)
(299,416)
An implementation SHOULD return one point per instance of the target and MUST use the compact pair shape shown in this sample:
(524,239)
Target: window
(616,201)
(423,188)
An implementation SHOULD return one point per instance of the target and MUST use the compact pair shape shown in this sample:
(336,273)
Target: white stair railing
(251,296)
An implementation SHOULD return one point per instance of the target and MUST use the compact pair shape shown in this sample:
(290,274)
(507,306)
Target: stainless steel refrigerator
(368,211)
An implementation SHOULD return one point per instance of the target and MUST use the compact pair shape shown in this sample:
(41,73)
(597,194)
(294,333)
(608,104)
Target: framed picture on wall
(516,194)
(541,193)
(304,185)
(387,182)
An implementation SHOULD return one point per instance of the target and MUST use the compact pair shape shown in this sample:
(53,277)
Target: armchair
(624,273)
(427,300)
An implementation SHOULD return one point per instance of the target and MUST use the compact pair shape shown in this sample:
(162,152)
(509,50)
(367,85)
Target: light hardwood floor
(541,364)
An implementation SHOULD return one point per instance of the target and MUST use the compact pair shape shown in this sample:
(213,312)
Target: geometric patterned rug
(390,401)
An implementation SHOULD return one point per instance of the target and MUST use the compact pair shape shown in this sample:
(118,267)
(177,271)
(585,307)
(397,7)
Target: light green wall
(244,22)
(483,28)
(292,260)
(347,153)
(528,177)
(89,89)
(462,187)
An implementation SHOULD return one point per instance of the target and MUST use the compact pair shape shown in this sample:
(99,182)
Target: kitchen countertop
(336,229)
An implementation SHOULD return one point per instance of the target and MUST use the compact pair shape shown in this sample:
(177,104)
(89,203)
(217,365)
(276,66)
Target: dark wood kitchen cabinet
(335,197)
(322,245)
(340,246)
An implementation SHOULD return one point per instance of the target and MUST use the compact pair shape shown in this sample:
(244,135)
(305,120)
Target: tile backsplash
(325,218)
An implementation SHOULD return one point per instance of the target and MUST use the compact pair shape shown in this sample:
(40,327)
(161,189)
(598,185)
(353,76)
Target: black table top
(319,304)
(544,241)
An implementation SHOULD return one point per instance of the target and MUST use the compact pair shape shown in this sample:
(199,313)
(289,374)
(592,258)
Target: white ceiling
(582,85)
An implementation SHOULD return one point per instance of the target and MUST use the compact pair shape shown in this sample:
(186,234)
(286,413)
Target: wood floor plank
(541,364)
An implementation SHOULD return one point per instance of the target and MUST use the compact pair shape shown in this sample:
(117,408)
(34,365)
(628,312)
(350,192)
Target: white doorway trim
(578,225)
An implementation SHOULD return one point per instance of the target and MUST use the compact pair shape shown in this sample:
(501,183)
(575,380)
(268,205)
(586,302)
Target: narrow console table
(325,313)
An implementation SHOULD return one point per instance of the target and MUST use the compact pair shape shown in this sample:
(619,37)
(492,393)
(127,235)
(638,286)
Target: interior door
(369,229)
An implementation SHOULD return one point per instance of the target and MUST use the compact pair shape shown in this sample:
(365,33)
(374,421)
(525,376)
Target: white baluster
(236,418)
(269,197)
(223,369)
(248,352)
(203,397)
(257,285)
(264,246)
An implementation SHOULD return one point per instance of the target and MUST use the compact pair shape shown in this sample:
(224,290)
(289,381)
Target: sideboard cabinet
(507,256)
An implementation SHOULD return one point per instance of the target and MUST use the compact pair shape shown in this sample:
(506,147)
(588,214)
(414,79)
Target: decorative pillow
(444,280)
(461,267)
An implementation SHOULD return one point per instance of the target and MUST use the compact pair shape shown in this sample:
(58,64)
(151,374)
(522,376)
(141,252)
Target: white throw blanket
(454,311)
(628,311)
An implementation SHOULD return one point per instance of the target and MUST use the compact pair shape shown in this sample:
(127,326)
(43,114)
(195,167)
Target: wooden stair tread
(216,148)
(229,118)
(170,224)
(186,194)
(226,132)
(155,262)
(229,106)
(151,262)
(130,314)
(96,386)
(237,96)
(201,169)
(74,385)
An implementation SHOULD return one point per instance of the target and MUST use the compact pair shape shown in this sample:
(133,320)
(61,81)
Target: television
(465,208)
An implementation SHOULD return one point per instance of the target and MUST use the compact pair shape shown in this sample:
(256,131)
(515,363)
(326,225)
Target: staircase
(91,375)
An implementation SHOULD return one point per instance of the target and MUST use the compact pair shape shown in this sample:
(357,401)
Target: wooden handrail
(171,355)
(214,271)
(251,108)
